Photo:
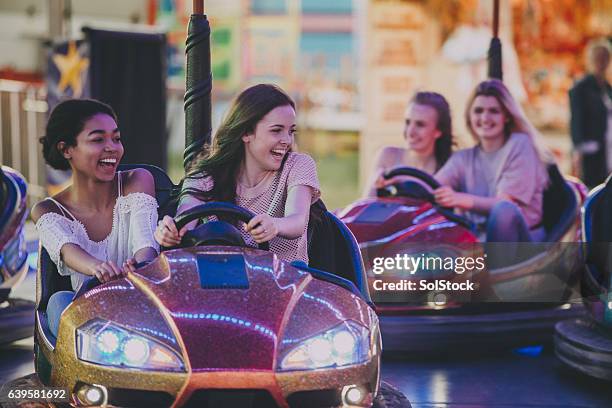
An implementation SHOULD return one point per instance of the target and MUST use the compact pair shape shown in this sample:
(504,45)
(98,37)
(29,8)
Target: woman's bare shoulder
(138,181)
(387,155)
(43,207)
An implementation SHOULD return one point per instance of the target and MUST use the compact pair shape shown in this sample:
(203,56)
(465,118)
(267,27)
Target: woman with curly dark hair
(102,224)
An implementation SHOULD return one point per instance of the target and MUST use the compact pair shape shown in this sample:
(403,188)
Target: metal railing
(23,112)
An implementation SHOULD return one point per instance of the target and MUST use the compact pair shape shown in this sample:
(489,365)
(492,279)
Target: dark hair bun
(52,154)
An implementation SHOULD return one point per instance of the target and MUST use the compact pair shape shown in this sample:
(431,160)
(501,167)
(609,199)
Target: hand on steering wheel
(447,197)
(106,271)
(262,228)
(166,234)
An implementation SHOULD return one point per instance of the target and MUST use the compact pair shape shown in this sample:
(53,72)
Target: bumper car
(16,315)
(435,308)
(585,344)
(212,323)
(215,323)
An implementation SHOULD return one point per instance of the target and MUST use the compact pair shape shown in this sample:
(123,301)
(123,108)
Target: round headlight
(108,341)
(136,351)
(344,343)
(320,350)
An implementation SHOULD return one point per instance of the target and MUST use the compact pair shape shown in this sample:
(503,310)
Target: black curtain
(128,71)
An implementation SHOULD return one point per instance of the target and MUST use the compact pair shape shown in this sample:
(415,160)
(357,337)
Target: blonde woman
(499,182)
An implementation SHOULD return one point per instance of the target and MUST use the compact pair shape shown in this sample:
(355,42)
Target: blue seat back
(560,205)
(332,248)
(165,190)
(597,236)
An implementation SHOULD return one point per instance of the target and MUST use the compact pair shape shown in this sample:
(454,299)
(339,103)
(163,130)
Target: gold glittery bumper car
(216,323)
(213,323)
(15,314)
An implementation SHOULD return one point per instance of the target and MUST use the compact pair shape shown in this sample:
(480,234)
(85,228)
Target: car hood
(384,221)
(230,306)
(374,219)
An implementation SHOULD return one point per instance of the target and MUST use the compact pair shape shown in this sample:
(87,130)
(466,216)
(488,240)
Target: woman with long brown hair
(429,140)
(251,163)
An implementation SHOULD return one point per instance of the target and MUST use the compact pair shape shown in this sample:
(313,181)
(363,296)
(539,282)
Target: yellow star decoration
(70,66)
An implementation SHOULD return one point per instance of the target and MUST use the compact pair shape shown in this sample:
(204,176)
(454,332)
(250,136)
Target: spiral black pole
(198,125)
(494,56)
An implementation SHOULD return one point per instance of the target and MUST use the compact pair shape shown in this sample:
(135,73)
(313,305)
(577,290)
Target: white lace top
(134,221)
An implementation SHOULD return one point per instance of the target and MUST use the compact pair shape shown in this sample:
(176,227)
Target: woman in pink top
(500,182)
(250,163)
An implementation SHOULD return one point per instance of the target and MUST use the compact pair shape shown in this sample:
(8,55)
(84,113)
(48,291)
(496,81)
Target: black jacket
(589,120)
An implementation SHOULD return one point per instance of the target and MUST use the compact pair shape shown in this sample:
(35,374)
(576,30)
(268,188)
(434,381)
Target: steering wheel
(409,188)
(413,172)
(397,190)
(217,208)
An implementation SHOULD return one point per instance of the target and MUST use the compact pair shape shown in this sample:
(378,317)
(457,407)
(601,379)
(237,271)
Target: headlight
(345,344)
(105,343)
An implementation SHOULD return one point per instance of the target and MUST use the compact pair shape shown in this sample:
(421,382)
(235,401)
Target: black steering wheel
(413,172)
(400,189)
(217,208)
(409,188)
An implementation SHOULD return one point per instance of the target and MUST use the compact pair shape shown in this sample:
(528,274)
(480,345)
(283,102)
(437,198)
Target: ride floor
(530,377)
